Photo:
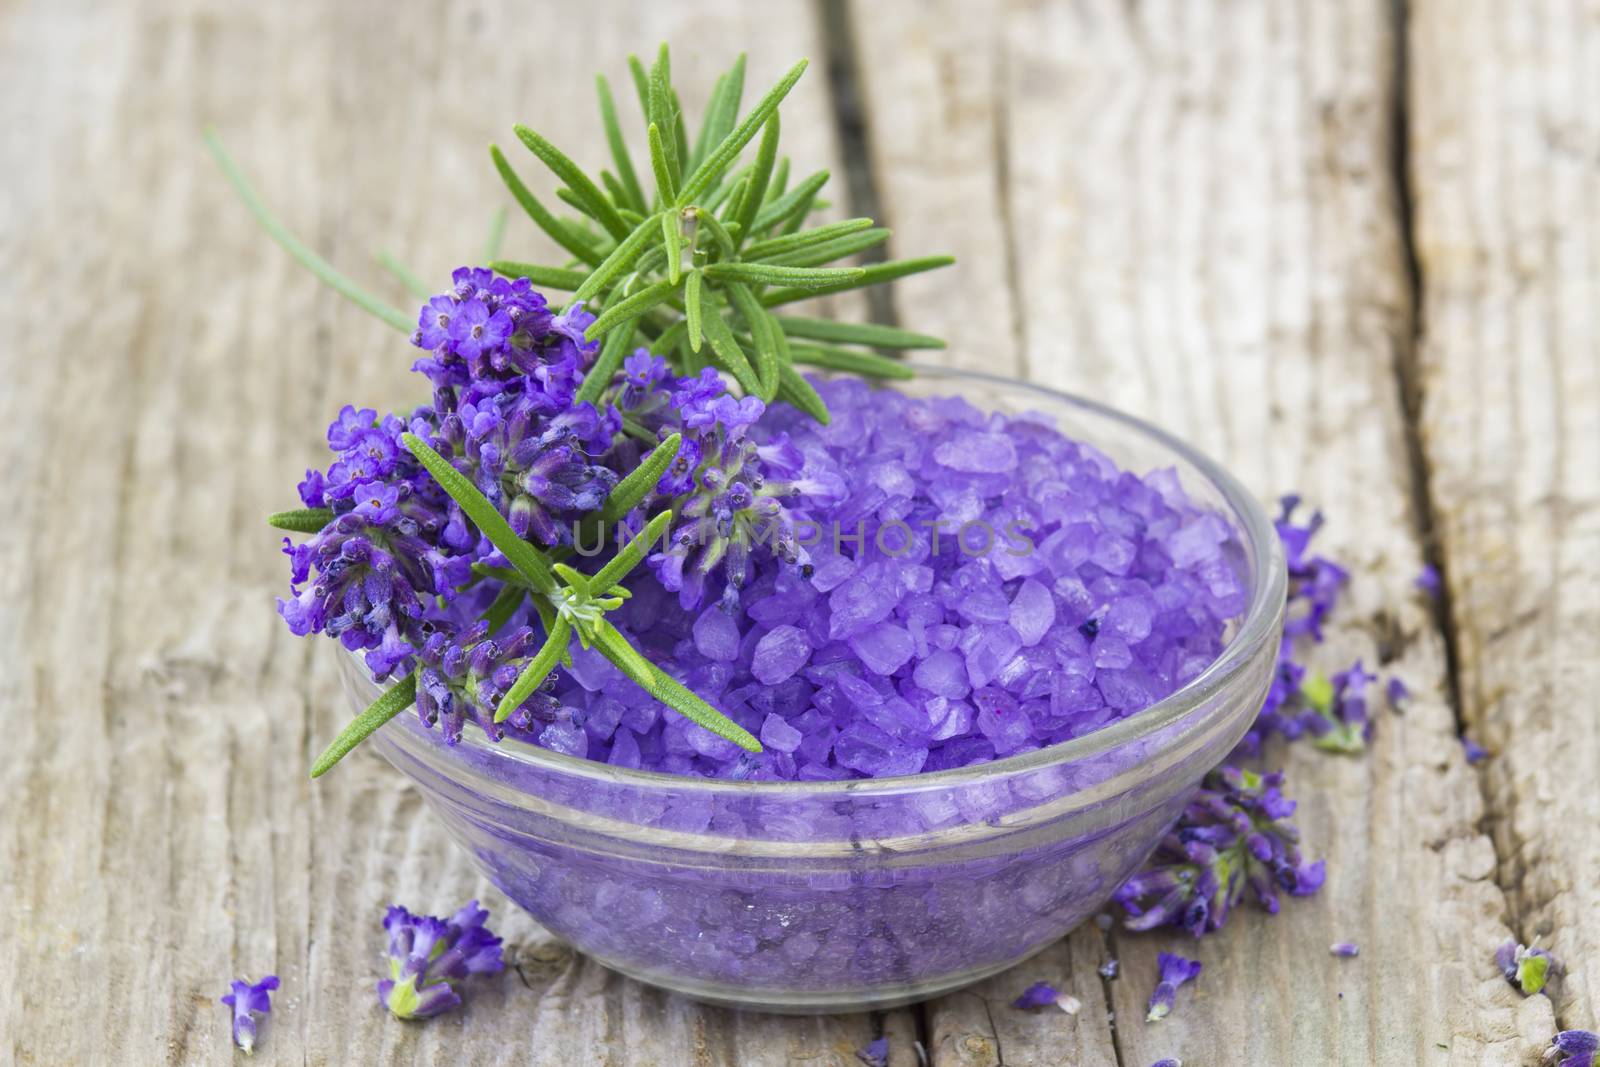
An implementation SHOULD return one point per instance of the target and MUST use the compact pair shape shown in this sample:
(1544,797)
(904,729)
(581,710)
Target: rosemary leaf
(537,670)
(723,344)
(641,84)
(565,235)
(711,168)
(755,190)
(544,277)
(663,345)
(722,111)
(667,689)
(797,391)
(838,248)
(791,204)
(575,179)
(867,364)
(703,142)
(761,332)
(780,181)
(672,242)
(856,333)
(666,187)
(691,309)
(794,242)
(768,274)
(527,559)
(641,481)
(605,366)
(633,194)
(414,285)
(396,698)
(631,307)
(621,258)
(720,234)
(660,112)
(324,270)
(301,520)
(629,555)
(869,275)
(497,233)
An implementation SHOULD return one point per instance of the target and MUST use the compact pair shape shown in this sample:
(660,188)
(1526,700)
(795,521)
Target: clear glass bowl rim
(1259,624)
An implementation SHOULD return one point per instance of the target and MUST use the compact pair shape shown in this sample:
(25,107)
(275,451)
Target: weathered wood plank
(1199,222)
(1504,142)
(170,376)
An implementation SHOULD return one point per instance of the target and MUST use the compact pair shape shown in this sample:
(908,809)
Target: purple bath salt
(974,586)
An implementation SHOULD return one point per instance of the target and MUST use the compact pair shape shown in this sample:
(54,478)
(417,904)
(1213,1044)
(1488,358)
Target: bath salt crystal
(779,654)
(1032,612)
(977,453)
(716,635)
(883,648)
(776,733)
(942,673)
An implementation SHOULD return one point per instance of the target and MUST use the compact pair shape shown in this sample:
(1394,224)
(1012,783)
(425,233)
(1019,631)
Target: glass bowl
(854,895)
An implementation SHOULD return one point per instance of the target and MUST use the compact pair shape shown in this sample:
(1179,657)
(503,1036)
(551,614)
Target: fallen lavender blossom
(248,1001)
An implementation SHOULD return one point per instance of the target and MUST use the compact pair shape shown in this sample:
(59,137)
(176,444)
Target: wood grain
(1198,222)
(172,374)
(1504,149)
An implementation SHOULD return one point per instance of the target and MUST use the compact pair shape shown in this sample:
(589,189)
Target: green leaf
(791,204)
(797,391)
(544,277)
(724,345)
(837,248)
(722,111)
(324,270)
(763,333)
(537,670)
(626,494)
(711,168)
(780,181)
(720,236)
(301,520)
(565,235)
(855,333)
(575,179)
(870,275)
(629,555)
(794,242)
(528,560)
(621,258)
(660,113)
(414,285)
(631,307)
(396,698)
(641,85)
(672,241)
(633,193)
(767,274)
(691,309)
(497,233)
(755,190)
(612,353)
(667,689)
(867,364)
(666,187)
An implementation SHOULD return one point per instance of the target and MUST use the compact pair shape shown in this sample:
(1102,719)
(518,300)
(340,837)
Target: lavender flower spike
(247,1001)
(1575,1048)
(1529,969)
(1174,971)
(427,954)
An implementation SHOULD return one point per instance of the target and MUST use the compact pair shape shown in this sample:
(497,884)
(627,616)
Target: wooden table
(1350,251)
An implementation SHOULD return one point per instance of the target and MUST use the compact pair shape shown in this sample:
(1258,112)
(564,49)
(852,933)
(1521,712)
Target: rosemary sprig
(694,260)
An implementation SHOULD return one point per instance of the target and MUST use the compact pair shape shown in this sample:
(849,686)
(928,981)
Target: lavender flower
(465,676)
(1043,995)
(1475,752)
(427,954)
(1529,969)
(248,1001)
(1398,694)
(1428,580)
(1170,1061)
(1346,949)
(1233,836)
(875,1053)
(1574,1048)
(1173,972)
